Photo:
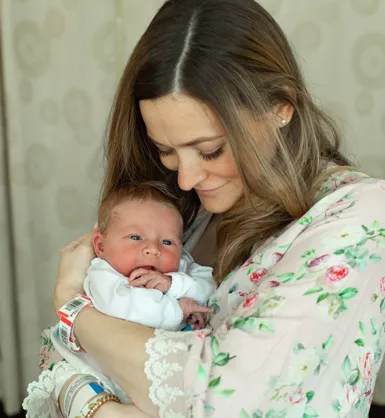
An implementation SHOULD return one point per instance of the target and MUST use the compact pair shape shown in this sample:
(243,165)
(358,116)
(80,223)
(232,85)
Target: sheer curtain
(61,60)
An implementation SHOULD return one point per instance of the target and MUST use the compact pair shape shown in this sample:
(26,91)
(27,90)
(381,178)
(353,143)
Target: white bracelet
(67,314)
(72,391)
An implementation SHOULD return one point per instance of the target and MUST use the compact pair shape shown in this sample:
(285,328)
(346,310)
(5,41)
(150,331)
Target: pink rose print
(336,273)
(352,394)
(257,275)
(317,261)
(382,287)
(43,357)
(248,262)
(250,301)
(297,397)
(368,366)
(277,257)
(201,334)
(241,294)
(274,283)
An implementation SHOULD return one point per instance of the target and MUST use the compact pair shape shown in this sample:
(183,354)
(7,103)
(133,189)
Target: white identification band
(67,314)
(85,399)
(72,390)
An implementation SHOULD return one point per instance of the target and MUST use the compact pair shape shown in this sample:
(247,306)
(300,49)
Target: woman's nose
(189,175)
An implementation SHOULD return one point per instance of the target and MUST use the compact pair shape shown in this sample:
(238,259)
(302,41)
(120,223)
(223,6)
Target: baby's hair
(144,191)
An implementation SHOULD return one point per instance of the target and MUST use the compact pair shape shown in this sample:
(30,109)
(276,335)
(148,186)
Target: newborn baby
(141,273)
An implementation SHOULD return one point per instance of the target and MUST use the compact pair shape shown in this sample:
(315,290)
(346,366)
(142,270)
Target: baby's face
(142,234)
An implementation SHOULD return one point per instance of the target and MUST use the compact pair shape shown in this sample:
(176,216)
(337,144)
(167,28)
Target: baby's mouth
(148,268)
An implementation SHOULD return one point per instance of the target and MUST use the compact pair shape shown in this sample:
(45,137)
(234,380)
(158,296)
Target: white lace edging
(160,369)
(41,400)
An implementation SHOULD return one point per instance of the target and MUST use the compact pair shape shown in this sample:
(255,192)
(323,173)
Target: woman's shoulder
(348,180)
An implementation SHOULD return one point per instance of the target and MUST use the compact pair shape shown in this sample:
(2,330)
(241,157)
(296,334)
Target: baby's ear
(98,243)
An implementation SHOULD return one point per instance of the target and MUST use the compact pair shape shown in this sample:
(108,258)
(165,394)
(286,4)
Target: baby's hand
(150,280)
(190,307)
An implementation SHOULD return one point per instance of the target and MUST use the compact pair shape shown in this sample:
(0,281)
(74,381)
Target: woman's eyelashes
(204,156)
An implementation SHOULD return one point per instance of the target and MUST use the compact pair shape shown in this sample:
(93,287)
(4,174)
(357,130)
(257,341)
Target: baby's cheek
(170,262)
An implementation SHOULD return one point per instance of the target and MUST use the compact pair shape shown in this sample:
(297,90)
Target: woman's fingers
(75,258)
(204,309)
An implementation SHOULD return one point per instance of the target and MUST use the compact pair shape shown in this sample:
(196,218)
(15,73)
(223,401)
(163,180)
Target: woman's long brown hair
(232,56)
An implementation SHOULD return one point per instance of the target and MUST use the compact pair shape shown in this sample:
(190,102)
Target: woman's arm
(119,347)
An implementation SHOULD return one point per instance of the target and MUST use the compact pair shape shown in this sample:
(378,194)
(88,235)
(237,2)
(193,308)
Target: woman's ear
(283,114)
(98,243)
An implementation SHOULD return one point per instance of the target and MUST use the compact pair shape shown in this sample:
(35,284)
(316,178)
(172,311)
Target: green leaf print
(306,220)
(265,327)
(225,393)
(298,347)
(287,277)
(250,270)
(327,344)
(362,328)
(202,372)
(365,228)
(233,288)
(375,258)
(354,377)
(309,396)
(314,290)
(382,305)
(246,324)
(214,383)
(244,414)
(339,252)
(310,413)
(374,326)
(272,413)
(347,367)
(359,342)
(348,293)
(257,414)
(322,297)
(222,359)
(214,346)
(336,405)
(209,410)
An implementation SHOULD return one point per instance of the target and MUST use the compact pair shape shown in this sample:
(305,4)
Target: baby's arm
(192,281)
(112,295)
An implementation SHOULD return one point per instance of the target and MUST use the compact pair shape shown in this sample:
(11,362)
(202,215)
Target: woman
(212,101)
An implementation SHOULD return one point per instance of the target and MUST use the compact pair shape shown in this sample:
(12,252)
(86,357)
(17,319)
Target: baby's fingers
(138,273)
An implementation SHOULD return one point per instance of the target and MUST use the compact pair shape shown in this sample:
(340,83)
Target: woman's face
(192,141)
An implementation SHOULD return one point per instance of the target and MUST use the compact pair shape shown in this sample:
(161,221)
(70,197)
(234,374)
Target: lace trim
(160,369)
(41,401)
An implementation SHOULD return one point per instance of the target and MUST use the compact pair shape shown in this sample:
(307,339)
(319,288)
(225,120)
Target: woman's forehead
(179,118)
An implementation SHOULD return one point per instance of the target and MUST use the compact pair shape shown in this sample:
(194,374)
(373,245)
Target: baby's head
(140,226)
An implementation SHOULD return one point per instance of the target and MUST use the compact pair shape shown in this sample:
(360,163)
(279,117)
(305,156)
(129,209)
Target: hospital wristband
(68,313)
(74,388)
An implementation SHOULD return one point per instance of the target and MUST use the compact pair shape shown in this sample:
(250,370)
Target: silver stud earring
(284,121)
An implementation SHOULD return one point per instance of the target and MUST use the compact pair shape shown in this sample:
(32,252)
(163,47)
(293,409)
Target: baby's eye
(166,242)
(135,237)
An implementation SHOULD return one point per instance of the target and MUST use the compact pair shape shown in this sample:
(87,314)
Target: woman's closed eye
(204,156)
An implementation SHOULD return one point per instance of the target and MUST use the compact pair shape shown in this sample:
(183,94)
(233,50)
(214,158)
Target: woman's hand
(190,307)
(74,261)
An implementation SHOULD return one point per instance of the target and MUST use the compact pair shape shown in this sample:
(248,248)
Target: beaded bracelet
(97,405)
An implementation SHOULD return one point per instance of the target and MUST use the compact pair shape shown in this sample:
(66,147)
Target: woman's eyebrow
(191,143)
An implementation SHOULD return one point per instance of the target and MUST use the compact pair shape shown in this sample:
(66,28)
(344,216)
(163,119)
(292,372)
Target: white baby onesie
(111,293)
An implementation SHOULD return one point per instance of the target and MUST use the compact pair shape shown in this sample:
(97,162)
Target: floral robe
(297,330)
